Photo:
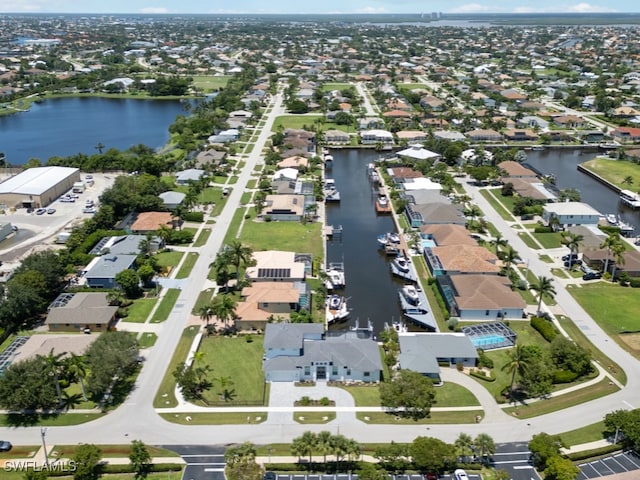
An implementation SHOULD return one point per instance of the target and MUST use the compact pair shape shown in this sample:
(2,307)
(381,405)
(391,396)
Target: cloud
(471,7)
(587,8)
(577,8)
(154,10)
(21,6)
(371,10)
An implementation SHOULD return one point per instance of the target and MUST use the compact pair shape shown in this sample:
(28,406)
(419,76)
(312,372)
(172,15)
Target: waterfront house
(571,213)
(442,212)
(417,152)
(278,266)
(288,208)
(597,258)
(336,137)
(297,162)
(370,137)
(626,134)
(425,352)
(411,136)
(514,169)
(447,234)
(302,352)
(460,259)
(480,297)
(262,301)
(484,135)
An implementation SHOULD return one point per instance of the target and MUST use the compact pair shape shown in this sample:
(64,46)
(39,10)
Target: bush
(180,237)
(564,376)
(194,217)
(452,323)
(324,401)
(305,401)
(484,360)
(479,374)
(543,230)
(544,328)
(634,282)
(596,452)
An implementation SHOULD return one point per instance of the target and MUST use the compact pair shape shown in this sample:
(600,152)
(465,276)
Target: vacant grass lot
(327,87)
(615,308)
(288,236)
(615,171)
(301,121)
(165,395)
(210,83)
(225,354)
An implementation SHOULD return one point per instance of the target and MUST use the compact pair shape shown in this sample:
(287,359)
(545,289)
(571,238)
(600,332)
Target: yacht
(410,293)
(337,309)
(386,238)
(630,198)
(382,204)
(612,218)
(335,276)
(402,264)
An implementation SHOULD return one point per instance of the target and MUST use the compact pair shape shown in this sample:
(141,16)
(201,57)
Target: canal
(371,289)
(67,126)
(563,164)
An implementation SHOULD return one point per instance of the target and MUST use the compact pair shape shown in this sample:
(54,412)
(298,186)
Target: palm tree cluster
(614,245)
(71,368)
(236,255)
(325,443)
(222,307)
(480,447)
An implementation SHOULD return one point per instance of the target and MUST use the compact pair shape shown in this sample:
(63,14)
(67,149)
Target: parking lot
(619,463)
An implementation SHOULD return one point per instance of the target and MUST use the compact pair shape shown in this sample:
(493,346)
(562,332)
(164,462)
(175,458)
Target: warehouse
(37,187)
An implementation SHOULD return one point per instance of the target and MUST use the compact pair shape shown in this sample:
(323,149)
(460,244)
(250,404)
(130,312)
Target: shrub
(305,401)
(544,328)
(459,366)
(634,282)
(324,401)
(543,230)
(481,375)
(194,217)
(452,323)
(564,376)
(484,360)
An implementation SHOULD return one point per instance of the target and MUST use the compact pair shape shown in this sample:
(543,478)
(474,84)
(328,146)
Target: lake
(67,126)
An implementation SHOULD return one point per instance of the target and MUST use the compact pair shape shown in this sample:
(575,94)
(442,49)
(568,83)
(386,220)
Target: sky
(323,6)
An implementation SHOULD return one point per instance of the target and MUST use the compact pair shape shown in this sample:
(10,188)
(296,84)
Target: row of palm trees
(57,365)
(327,444)
(482,445)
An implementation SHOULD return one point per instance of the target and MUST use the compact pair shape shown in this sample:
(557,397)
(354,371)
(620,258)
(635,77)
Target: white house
(571,213)
(374,136)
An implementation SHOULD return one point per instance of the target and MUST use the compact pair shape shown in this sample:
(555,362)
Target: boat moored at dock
(629,198)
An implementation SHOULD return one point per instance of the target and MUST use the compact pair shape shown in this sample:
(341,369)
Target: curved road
(137,419)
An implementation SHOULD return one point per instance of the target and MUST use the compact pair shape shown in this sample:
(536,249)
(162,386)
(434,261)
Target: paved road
(136,418)
(202,462)
(514,458)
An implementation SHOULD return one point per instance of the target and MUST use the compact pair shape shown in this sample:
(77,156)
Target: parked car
(460,474)
(51,211)
(269,476)
(575,261)
(89,210)
(5,446)
(565,258)
(225,191)
(67,199)
(592,276)
(41,211)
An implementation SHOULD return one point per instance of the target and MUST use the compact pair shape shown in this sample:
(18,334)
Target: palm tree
(464,445)
(226,384)
(309,441)
(70,400)
(353,449)
(618,251)
(224,308)
(628,180)
(516,365)
(340,447)
(205,312)
(324,443)
(544,287)
(164,232)
(77,368)
(198,357)
(485,445)
(612,240)
(473,212)
(239,254)
(508,256)
(573,241)
(53,366)
(554,222)
(498,242)
(221,266)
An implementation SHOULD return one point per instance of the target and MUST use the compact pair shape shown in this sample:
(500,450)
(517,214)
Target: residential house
(460,259)
(434,213)
(532,121)
(263,301)
(225,136)
(571,213)
(447,234)
(514,169)
(515,135)
(289,208)
(425,352)
(301,352)
(417,152)
(368,123)
(210,157)
(569,121)
(150,222)
(626,134)
(296,162)
(125,245)
(101,271)
(451,135)
(172,200)
(369,137)
(411,136)
(336,137)
(484,135)
(597,258)
(81,311)
(278,266)
(480,297)
(185,177)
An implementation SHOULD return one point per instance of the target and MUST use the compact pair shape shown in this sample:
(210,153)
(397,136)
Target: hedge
(543,230)
(124,468)
(564,376)
(544,328)
(482,376)
(596,452)
(194,217)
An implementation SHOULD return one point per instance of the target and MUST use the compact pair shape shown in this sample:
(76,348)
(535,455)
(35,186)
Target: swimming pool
(428,243)
(488,340)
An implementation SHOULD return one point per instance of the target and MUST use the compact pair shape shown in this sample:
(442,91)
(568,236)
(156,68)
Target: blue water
(488,340)
(428,243)
(67,126)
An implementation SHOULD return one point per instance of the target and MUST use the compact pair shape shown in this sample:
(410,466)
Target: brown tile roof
(515,169)
(446,234)
(405,172)
(151,221)
(467,259)
(487,292)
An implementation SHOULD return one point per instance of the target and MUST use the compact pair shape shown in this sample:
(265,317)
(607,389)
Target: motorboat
(403,264)
(337,309)
(335,278)
(331,195)
(612,218)
(382,204)
(630,198)
(386,238)
(334,302)
(410,293)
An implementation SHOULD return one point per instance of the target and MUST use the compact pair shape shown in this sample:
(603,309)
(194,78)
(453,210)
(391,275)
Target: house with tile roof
(461,259)
(262,301)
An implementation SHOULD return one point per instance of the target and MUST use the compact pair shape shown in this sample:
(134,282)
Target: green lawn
(548,240)
(225,354)
(202,237)
(496,205)
(615,308)
(234,226)
(507,202)
(454,395)
(139,311)
(327,87)
(364,396)
(615,171)
(165,395)
(187,265)
(295,121)
(114,451)
(168,259)
(529,241)
(230,418)
(204,297)
(166,305)
(589,433)
(434,418)
(44,420)
(147,340)
(307,418)
(288,236)
(210,83)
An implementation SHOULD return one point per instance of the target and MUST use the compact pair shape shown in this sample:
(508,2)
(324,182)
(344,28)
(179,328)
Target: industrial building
(37,187)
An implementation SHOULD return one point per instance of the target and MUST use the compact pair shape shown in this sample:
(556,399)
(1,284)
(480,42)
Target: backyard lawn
(615,171)
(225,354)
(615,308)
(288,236)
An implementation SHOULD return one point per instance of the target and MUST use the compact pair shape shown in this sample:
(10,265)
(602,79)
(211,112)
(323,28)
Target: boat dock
(419,314)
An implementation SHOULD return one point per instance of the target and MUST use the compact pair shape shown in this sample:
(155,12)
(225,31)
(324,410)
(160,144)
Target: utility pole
(43,433)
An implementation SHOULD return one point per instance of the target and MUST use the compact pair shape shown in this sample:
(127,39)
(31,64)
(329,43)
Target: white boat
(630,198)
(335,277)
(612,218)
(410,293)
(375,178)
(337,309)
(386,238)
(402,264)
(331,195)
(399,327)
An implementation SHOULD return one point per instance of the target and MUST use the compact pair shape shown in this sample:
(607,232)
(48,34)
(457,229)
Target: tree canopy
(408,393)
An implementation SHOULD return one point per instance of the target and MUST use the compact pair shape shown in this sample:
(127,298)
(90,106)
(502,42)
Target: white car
(460,474)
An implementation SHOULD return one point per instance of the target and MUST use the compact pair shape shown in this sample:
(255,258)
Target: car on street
(5,446)
(51,211)
(41,211)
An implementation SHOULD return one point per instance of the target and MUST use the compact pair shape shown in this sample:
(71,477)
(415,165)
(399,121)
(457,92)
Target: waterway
(67,126)
(563,164)
(371,289)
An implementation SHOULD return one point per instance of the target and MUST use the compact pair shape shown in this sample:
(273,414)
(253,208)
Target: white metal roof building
(37,187)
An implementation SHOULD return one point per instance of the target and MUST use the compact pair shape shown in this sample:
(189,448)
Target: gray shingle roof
(289,335)
(420,352)
(109,266)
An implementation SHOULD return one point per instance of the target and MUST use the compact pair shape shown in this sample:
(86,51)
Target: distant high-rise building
(436,15)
